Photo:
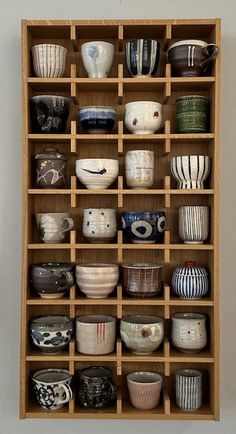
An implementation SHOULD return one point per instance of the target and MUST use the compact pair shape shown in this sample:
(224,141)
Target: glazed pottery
(95,334)
(97,58)
(50,168)
(49,113)
(143,227)
(144,389)
(52,387)
(193,224)
(192,114)
(53,226)
(99,225)
(188,387)
(139,169)
(141,280)
(97,280)
(191,57)
(188,333)
(49,60)
(96,387)
(190,281)
(97,173)
(142,334)
(97,119)
(143,117)
(190,171)
(51,279)
(51,333)
(142,57)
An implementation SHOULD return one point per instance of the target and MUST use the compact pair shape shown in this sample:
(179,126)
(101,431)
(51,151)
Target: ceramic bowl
(97,119)
(97,280)
(97,58)
(144,389)
(143,117)
(95,334)
(52,387)
(193,224)
(96,388)
(99,225)
(141,280)
(51,279)
(143,227)
(51,333)
(50,165)
(190,281)
(188,333)
(142,57)
(49,113)
(188,389)
(97,173)
(49,60)
(142,334)
(192,114)
(190,171)
(139,168)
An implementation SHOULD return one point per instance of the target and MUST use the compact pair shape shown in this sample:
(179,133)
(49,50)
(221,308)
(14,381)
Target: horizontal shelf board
(167,246)
(127,415)
(87,246)
(51,137)
(113,301)
(116,191)
(127,358)
(125,137)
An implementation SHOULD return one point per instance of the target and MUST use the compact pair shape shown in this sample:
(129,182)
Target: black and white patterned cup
(142,57)
(193,224)
(188,383)
(49,60)
(52,387)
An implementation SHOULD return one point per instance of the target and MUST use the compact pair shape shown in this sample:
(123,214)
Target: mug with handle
(52,387)
(53,226)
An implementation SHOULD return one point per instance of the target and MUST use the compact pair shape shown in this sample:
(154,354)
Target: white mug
(97,58)
(53,226)
(52,387)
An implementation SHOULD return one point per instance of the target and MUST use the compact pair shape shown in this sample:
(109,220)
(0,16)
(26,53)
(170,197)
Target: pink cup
(144,389)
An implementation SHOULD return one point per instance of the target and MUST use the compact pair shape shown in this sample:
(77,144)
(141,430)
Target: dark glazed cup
(141,280)
(142,57)
(51,280)
(50,168)
(192,114)
(49,113)
(96,387)
(144,227)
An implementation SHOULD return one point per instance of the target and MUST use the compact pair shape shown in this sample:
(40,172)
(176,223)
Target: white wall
(11,12)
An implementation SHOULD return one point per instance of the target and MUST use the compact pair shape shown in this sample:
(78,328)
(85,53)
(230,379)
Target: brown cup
(144,389)
(50,168)
(141,280)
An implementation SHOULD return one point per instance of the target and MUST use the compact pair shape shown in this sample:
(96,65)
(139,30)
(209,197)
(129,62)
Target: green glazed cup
(191,103)
(191,114)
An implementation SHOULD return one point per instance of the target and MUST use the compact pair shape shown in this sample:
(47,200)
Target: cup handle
(113,390)
(68,393)
(70,224)
(69,278)
(211,50)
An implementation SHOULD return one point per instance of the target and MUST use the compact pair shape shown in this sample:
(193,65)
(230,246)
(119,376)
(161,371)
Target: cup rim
(189,316)
(100,107)
(141,265)
(190,156)
(139,319)
(99,209)
(46,45)
(142,39)
(146,151)
(108,374)
(52,370)
(97,160)
(50,96)
(52,264)
(98,319)
(97,265)
(159,378)
(194,206)
(184,97)
(198,42)
(143,102)
(56,321)
(142,212)
(188,372)
(98,42)
(53,213)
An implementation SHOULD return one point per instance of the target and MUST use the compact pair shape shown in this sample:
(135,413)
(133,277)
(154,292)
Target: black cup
(96,387)
(51,280)
(49,113)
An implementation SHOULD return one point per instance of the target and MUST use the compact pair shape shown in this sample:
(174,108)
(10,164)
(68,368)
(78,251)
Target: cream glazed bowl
(97,280)
(97,173)
(143,117)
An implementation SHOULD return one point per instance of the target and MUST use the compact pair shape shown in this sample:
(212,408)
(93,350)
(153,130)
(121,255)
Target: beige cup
(53,226)
(95,334)
(144,389)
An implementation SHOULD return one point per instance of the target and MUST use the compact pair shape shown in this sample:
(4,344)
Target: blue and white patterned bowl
(51,333)
(144,227)
(190,281)
(97,119)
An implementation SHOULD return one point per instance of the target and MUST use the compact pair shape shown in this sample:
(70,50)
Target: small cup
(192,114)
(188,386)
(49,60)
(53,226)
(97,280)
(139,169)
(144,389)
(50,168)
(190,171)
(190,281)
(194,224)
(95,334)
(99,225)
(97,119)
(97,58)
(144,227)
(49,114)
(188,333)
(142,57)
(51,333)
(143,117)
(52,387)
(141,280)
(97,173)
(52,279)
(96,387)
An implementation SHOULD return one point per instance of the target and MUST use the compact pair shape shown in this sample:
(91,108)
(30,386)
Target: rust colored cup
(141,280)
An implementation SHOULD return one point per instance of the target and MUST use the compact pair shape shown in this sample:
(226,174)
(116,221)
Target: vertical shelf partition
(116,90)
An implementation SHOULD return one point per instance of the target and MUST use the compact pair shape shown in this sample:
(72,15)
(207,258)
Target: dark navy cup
(143,227)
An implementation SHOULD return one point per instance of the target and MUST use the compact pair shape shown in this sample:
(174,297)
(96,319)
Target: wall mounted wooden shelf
(116,90)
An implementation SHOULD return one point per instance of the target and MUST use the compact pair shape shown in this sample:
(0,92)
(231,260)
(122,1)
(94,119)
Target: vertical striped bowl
(188,389)
(142,57)
(193,224)
(190,281)
(190,171)
(49,60)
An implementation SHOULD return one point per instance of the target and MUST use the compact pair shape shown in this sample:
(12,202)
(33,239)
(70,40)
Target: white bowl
(97,280)
(97,173)
(143,117)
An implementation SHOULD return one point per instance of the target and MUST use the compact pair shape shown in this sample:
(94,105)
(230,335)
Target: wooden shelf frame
(165,143)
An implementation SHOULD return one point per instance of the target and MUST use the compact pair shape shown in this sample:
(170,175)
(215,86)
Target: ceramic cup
(96,387)
(51,279)
(143,117)
(190,171)
(50,168)
(99,225)
(97,280)
(188,333)
(97,173)
(51,333)
(97,58)
(142,57)
(52,387)
(193,224)
(141,280)
(49,60)
(142,334)
(95,334)
(139,169)
(144,389)
(97,119)
(188,389)
(143,227)
(49,113)
(191,57)
(53,226)
(192,114)
(190,281)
